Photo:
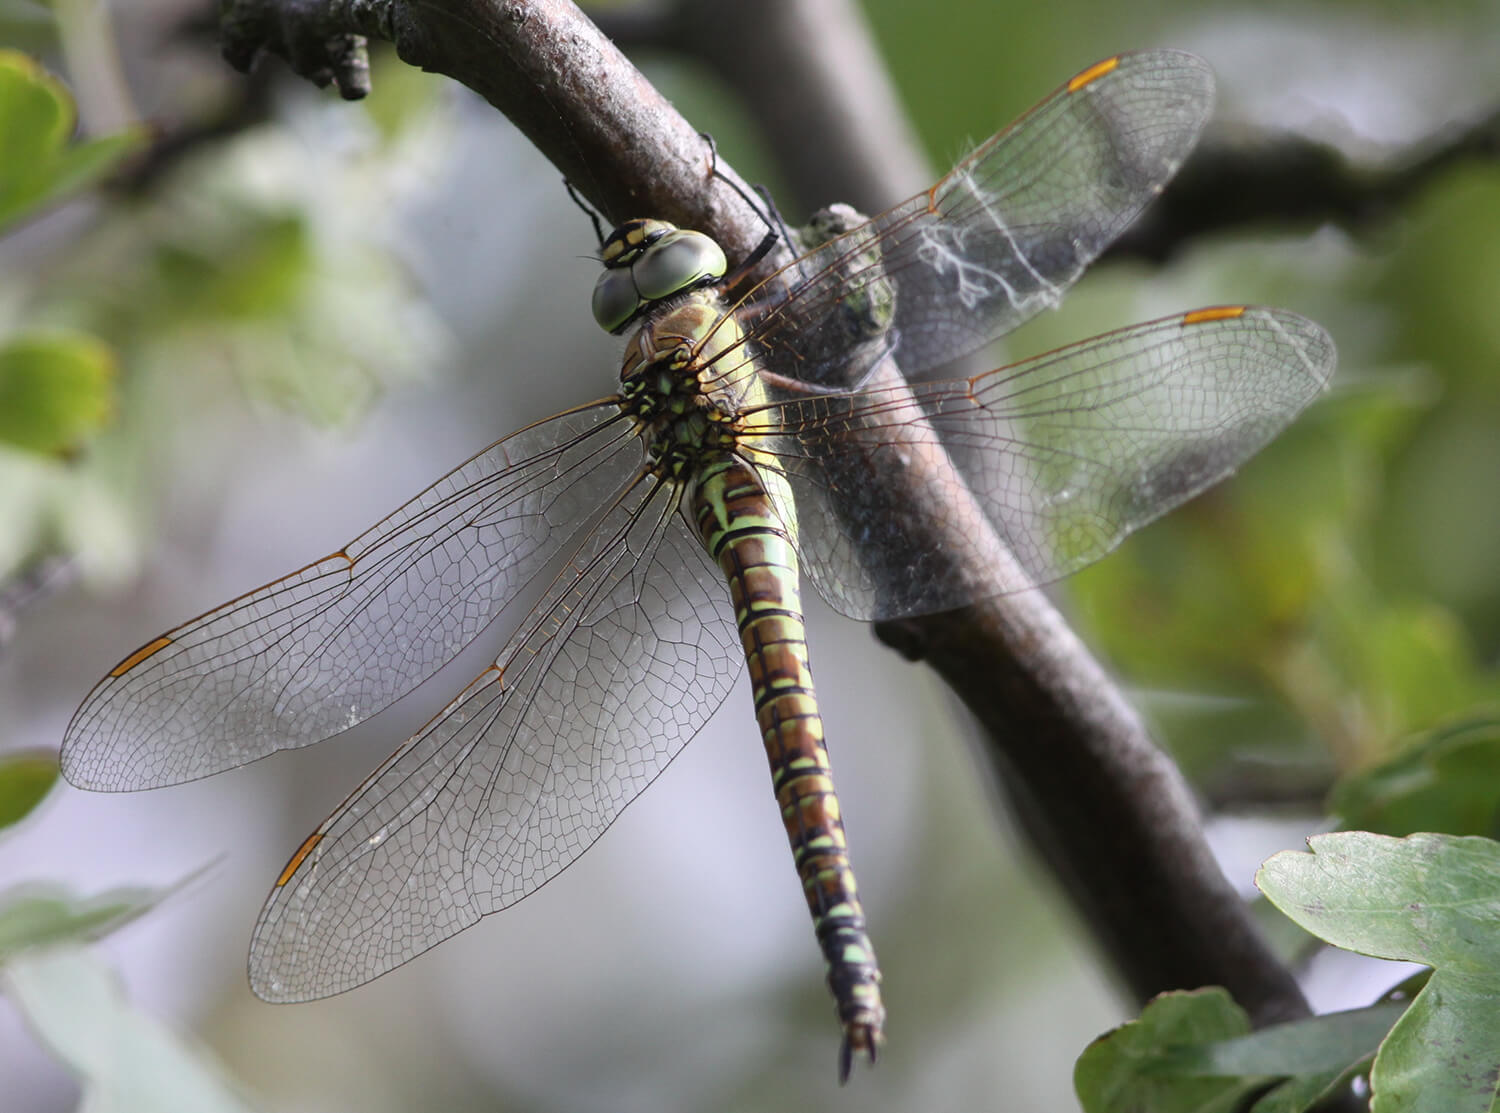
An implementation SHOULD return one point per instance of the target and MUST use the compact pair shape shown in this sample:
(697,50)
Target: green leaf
(26,776)
(1319,1044)
(1194,1053)
(1297,1095)
(36,116)
(1448,781)
(1118,1072)
(261,271)
(37,167)
(128,1062)
(36,915)
(1317,1057)
(56,388)
(1433,899)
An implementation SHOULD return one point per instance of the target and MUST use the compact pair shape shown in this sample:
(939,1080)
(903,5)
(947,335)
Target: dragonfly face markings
(665,530)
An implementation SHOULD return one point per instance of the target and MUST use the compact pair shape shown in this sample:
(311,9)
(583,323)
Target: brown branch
(831,115)
(550,70)
(1105,807)
(1277,180)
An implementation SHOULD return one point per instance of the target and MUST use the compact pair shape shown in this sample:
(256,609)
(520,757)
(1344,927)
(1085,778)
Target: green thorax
(687,377)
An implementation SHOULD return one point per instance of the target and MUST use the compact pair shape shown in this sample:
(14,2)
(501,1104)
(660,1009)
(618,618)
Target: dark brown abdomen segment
(735,519)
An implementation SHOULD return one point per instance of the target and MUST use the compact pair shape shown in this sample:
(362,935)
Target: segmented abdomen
(734,518)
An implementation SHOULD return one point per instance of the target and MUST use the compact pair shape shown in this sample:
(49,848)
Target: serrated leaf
(26,777)
(37,166)
(1433,899)
(56,388)
(38,915)
(127,1061)
(1448,781)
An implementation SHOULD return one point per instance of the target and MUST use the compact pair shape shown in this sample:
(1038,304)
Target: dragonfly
(760,433)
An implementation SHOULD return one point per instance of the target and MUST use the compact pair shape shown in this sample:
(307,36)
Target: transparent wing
(632,650)
(310,655)
(1055,458)
(1001,237)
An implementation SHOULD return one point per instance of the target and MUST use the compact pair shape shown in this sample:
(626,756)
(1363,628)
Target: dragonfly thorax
(684,380)
(645,263)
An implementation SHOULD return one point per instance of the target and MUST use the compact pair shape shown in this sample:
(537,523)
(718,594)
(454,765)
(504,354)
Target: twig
(1287,181)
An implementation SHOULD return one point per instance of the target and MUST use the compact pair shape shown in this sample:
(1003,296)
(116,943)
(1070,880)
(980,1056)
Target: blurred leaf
(36,915)
(128,1062)
(1309,1091)
(258,270)
(1433,899)
(37,117)
(407,94)
(55,389)
(1206,595)
(25,779)
(1315,1057)
(1117,1073)
(1256,596)
(1438,535)
(16,15)
(1194,1053)
(1409,661)
(1327,1043)
(1449,781)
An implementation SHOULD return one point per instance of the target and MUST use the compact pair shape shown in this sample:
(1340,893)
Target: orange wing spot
(297,859)
(140,655)
(1217,313)
(1094,73)
(340,555)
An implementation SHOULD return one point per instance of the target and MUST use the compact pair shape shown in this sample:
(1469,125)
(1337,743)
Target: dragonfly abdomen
(736,521)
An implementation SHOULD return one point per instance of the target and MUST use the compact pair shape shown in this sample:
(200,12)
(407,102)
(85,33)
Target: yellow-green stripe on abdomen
(737,525)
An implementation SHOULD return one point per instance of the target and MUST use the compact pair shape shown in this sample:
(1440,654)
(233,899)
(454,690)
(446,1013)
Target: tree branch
(550,70)
(1283,181)
(1104,806)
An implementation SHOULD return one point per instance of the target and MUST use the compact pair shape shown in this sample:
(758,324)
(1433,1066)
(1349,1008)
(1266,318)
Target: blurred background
(317,308)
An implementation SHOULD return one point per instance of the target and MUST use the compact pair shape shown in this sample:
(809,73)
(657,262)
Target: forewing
(1001,237)
(632,650)
(914,499)
(311,655)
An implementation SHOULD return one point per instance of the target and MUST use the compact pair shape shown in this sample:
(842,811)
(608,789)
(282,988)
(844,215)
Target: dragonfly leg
(775,226)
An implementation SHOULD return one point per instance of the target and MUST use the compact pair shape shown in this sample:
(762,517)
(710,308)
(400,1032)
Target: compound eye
(615,300)
(678,261)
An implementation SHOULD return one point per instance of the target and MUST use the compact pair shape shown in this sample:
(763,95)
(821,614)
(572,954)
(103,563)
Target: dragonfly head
(646,261)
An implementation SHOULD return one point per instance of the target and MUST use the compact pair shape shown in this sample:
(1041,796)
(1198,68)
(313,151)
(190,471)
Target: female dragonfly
(747,445)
